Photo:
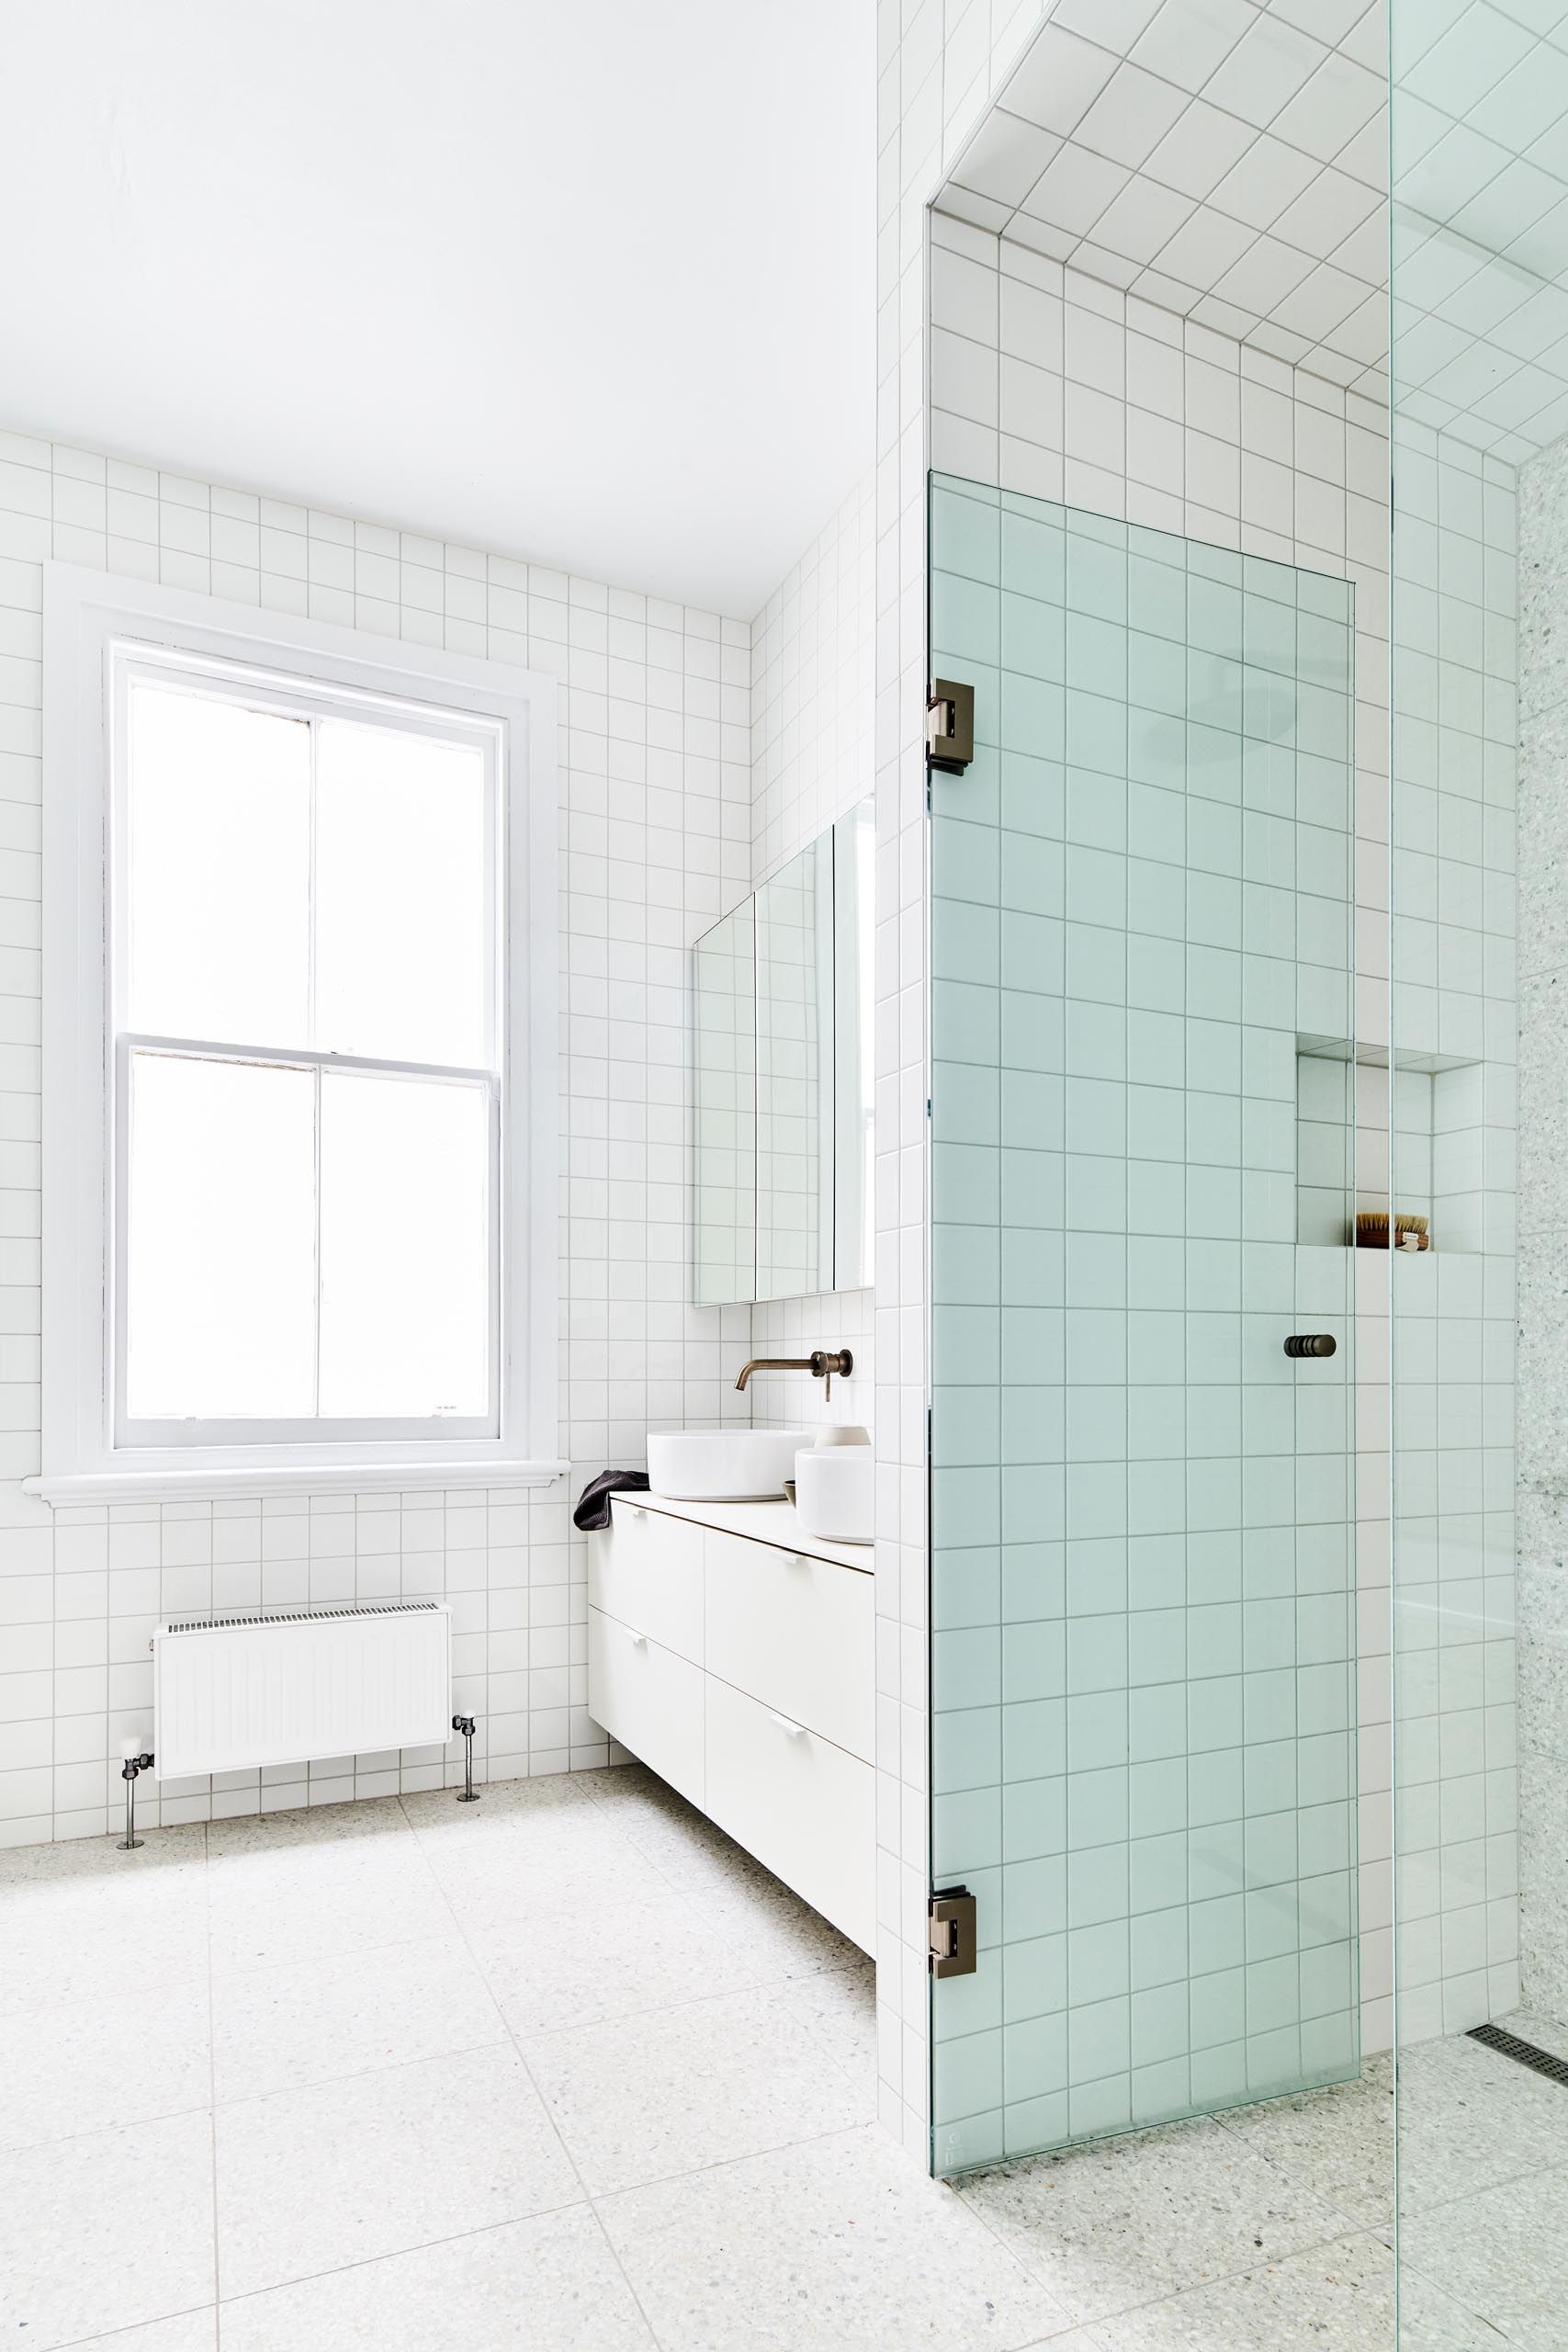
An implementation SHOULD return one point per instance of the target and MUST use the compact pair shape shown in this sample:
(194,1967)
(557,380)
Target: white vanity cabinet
(737,1659)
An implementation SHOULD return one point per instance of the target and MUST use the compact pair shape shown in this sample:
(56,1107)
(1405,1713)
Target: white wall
(937,69)
(655,841)
(812,710)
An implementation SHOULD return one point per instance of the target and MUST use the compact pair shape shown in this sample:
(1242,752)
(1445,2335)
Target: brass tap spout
(821,1363)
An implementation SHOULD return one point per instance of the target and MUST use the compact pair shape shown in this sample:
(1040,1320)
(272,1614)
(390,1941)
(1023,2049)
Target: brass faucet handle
(826,1361)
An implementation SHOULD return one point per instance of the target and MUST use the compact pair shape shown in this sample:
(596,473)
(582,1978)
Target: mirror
(783,1005)
(725,990)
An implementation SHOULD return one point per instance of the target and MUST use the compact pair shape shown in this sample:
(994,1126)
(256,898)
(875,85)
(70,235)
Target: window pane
(401,930)
(220,1304)
(405,1247)
(219,870)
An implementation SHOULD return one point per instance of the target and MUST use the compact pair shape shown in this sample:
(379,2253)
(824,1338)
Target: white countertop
(768,1522)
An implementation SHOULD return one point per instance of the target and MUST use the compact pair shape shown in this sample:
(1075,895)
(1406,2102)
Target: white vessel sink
(834,1492)
(722,1466)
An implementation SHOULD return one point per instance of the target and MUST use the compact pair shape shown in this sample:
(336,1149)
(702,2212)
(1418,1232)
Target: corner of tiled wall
(936,74)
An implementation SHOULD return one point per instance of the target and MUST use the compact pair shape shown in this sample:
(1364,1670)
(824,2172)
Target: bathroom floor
(566,2069)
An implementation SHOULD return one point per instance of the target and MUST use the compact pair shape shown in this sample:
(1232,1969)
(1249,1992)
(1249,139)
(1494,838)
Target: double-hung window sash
(307,1062)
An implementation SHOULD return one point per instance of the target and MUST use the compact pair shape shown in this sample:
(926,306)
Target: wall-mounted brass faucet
(821,1363)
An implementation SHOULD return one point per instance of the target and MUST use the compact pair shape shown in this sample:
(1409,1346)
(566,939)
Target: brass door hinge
(951,1932)
(950,726)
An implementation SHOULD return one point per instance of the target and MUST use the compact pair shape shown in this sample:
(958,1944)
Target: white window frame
(98,631)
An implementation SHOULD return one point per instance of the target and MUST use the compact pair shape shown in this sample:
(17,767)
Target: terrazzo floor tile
(838,2243)
(1469,2120)
(317,2021)
(499,1884)
(292,1827)
(390,2169)
(657,2095)
(272,1917)
(778,1937)
(1548,2033)
(104,2232)
(547,2285)
(838,2005)
(1114,2224)
(310,2179)
(605,1955)
(99,1859)
(93,2065)
(1338,2143)
(1503,2253)
(1339,2296)
(80,1938)
(539,1792)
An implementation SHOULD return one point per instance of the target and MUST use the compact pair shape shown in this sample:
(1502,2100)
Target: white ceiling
(1226,159)
(586,281)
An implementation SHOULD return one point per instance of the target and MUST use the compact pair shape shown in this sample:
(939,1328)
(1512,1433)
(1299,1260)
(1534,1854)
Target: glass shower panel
(1142,1077)
(1479,612)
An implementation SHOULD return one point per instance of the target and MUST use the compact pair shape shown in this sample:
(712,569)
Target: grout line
(117,2334)
(395,2254)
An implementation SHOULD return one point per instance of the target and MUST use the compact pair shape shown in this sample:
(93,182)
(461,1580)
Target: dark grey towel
(593,1503)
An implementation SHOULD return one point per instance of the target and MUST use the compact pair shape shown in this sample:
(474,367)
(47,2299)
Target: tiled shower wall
(1049,382)
(811,761)
(655,780)
(1046,381)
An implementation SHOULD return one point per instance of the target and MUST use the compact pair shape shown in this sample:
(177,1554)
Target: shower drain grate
(1524,2053)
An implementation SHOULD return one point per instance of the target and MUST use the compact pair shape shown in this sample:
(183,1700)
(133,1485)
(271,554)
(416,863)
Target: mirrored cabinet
(783,1002)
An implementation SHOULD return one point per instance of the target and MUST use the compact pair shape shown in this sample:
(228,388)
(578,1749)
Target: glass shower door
(1143,1086)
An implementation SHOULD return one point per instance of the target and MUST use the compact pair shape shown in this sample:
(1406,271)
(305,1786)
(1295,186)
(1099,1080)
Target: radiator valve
(137,1760)
(467,1793)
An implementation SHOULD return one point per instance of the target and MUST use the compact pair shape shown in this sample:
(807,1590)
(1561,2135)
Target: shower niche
(1407,1140)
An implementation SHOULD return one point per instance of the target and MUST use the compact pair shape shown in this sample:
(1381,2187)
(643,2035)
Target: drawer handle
(796,1731)
(637,1641)
(635,1510)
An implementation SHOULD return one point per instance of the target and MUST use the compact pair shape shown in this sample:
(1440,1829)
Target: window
(306,1039)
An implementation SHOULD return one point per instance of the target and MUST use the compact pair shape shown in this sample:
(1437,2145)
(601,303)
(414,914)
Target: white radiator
(232,1694)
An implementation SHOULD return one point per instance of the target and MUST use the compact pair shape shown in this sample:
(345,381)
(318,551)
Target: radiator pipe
(136,1760)
(467,1793)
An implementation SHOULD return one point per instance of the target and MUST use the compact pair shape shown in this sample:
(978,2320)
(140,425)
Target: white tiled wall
(936,72)
(1047,381)
(656,832)
(812,710)
(811,688)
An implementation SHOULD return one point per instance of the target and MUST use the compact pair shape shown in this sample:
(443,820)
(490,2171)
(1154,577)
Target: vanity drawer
(646,1569)
(804,1807)
(649,1699)
(797,1633)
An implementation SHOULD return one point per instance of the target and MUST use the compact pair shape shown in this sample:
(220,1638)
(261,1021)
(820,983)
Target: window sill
(206,1483)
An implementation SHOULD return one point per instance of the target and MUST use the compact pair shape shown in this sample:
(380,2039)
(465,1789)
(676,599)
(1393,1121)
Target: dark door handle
(1311,1343)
